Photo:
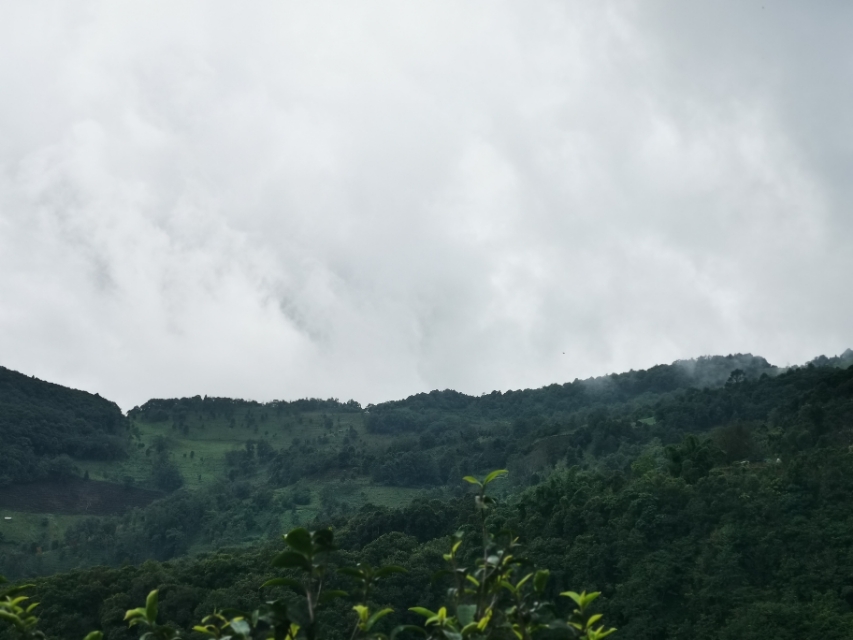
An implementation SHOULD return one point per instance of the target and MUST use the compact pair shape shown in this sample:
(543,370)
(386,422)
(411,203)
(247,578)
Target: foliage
(15,611)
(419,411)
(718,512)
(166,476)
(753,421)
(490,601)
(40,422)
(158,410)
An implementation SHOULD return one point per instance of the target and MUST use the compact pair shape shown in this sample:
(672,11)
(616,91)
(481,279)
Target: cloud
(368,201)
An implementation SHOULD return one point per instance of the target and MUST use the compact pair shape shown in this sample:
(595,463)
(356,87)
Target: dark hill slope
(755,552)
(41,421)
(558,400)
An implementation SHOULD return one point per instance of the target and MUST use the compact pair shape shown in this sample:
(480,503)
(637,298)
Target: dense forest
(709,499)
(43,425)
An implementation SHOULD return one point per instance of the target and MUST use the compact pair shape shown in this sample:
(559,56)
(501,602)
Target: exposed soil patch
(75,497)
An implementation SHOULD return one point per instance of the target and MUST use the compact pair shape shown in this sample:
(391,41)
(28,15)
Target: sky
(367,200)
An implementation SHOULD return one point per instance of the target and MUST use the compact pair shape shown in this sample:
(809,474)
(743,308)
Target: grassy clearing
(198,445)
(39,529)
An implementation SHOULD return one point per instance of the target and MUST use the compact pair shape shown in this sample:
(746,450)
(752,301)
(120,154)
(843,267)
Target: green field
(33,528)
(197,447)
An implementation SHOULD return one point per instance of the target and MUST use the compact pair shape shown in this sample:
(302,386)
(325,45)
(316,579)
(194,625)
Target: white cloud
(370,200)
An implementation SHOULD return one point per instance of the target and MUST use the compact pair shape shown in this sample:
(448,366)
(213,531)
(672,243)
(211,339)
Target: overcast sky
(371,199)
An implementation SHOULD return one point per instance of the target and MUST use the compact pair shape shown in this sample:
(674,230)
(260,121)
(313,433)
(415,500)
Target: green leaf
(94,635)
(508,586)
(376,617)
(283,582)
(362,612)
(134,614)
(151,607)
(494,475)
(423,612)
(593,619)
(291,560)
(465,613)
(240,626)
(472,480)
(232,613)
(300,540)
(10,618)
(589,597)
(523,581)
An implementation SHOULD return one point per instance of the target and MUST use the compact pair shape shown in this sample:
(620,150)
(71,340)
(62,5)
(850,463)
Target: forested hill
(708,514)
(41,422)
(559,400)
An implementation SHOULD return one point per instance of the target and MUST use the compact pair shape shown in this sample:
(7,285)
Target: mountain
(707,511)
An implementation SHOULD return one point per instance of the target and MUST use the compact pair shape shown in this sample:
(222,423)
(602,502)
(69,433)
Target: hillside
(43,424)
(231,472)
(699,513)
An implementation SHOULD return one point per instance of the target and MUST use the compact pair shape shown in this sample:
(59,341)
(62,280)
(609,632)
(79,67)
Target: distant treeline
(556,400)
(158,410)
(748,418)
(43,423)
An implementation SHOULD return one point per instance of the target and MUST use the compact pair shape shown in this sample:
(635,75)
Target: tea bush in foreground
(501,596)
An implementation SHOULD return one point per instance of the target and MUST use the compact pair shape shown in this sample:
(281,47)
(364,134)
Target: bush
(166,476)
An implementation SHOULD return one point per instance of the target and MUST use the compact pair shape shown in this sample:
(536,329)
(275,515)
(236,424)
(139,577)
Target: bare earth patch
(75,497)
